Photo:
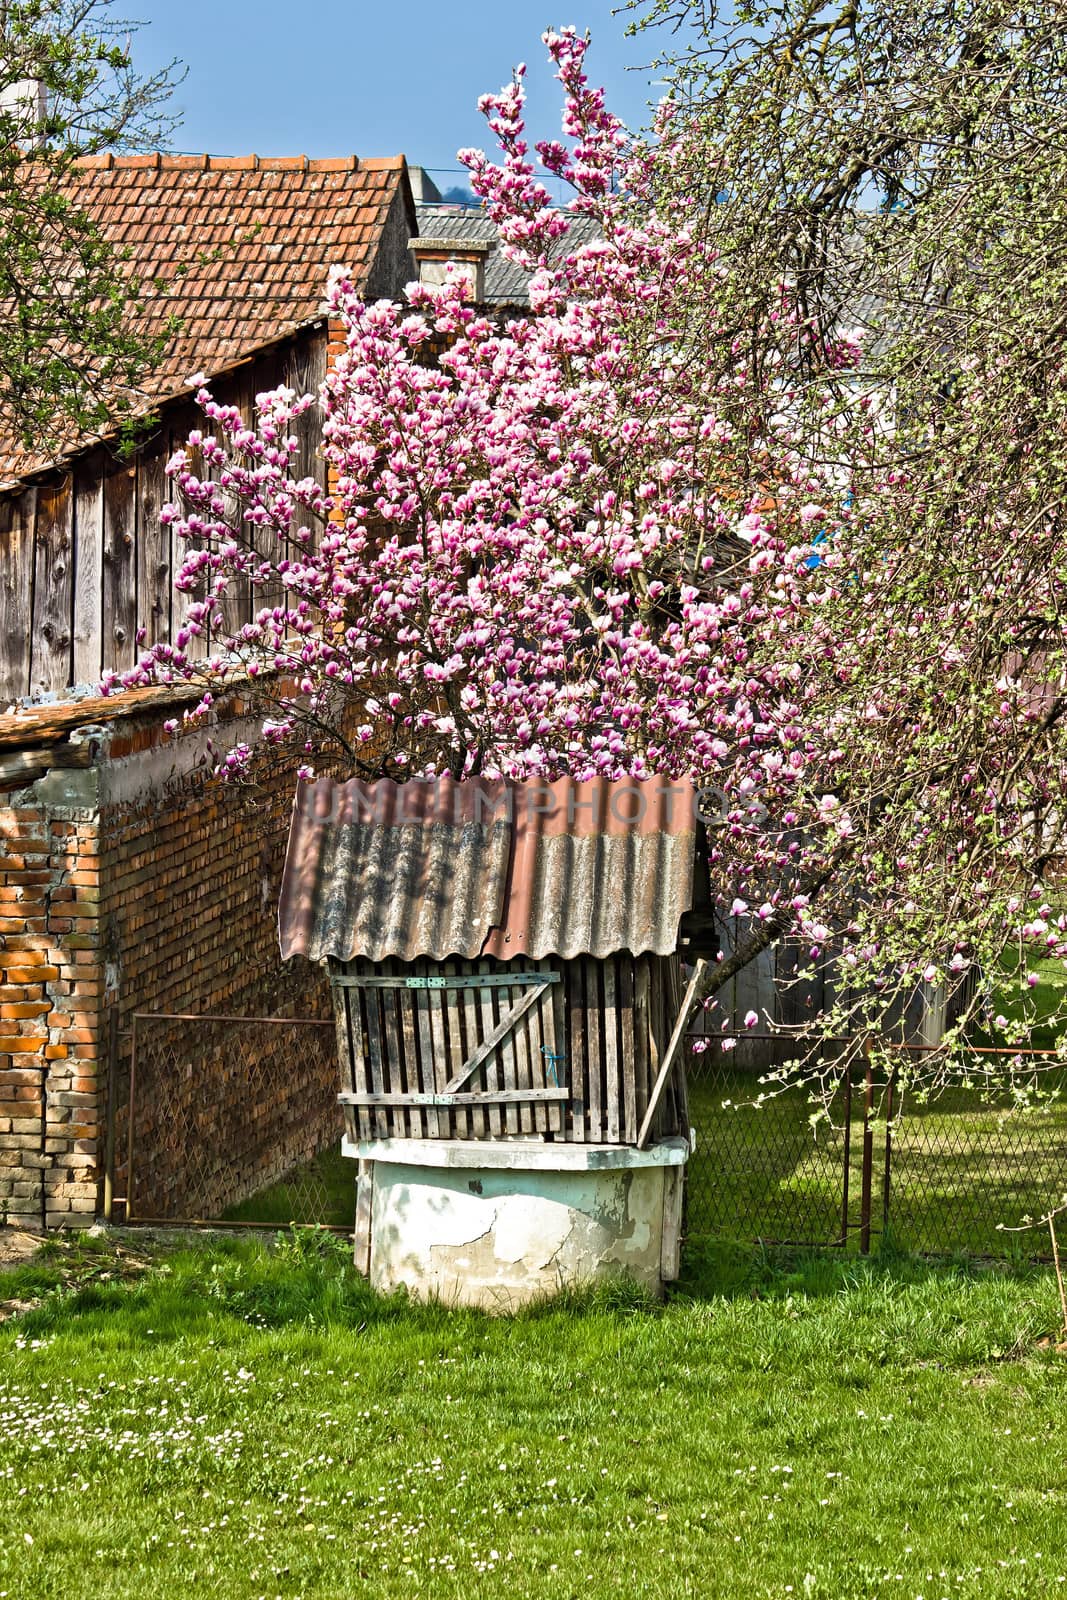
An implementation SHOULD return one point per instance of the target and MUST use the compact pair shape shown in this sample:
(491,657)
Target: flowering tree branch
(660,526)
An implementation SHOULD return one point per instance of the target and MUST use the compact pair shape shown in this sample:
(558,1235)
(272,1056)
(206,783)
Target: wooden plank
(492,1063)
(237,601)
(470,1025)
(459,980)
(154,586)
(671,1246)
(361,1233)
(627,1062)
(426,1073)
(406,1002)
(543,1071)
(646,1056)
(680,1077)
(182,424)
(557,1022)
(88,571)
(575,980)
(306,371)
(612,1086)
(504,1097)
(52,662)
(593,1061)
(360,1066)
(350,1051)
(454,1042)
(17,517)
(440,1054)
(392,1065)
(120,569)
(382,1121)
(506,1000)
(657,1012)
(523,1067)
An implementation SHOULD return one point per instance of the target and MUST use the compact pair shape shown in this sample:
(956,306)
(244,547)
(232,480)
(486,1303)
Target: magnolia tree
(562,544)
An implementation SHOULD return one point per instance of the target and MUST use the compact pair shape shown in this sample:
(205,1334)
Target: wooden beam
(53,596)
(496,1097)
(17,519)
(670,1055)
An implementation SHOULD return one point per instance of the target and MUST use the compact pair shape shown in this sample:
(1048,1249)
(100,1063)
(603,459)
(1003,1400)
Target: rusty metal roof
(487,868)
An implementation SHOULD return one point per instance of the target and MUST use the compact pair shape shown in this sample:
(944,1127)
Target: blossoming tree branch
(635,532)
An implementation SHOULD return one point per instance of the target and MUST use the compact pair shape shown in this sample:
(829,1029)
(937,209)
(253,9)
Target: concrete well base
(500,1224)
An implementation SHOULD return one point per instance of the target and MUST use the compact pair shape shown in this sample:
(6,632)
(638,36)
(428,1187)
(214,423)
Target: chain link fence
(955,1175)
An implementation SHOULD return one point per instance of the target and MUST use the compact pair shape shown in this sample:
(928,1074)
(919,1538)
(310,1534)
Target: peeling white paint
(503,1235)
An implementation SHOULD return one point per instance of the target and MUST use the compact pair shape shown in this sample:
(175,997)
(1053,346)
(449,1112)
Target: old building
(126,883)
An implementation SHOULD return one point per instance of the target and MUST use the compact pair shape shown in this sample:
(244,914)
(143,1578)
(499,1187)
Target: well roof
(435,868)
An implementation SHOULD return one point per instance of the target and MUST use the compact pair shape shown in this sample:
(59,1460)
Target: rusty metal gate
(227,1119)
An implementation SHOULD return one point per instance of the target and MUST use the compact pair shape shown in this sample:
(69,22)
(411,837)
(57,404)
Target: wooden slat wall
(120,569)
(51,659)
(17,519)
(85,562)
(600,1032)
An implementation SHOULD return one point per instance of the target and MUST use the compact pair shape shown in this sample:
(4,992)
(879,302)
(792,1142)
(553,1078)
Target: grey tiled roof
(505,283)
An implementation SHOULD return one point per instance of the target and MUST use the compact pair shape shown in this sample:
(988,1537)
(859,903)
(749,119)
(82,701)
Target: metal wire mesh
(958,1174)
(234,1119)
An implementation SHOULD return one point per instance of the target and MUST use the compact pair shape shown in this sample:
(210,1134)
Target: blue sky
(331,77)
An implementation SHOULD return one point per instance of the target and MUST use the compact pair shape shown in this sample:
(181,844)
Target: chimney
(465,257)
(26,104)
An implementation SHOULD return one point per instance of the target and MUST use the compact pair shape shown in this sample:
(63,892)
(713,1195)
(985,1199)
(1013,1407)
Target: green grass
(320,1191)
(1041,1008)
(230,1421)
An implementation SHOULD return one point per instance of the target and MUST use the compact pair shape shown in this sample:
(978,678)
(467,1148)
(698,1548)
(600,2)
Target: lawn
(232,1420)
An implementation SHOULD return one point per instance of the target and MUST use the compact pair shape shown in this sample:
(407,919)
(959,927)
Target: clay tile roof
(205,226)
(487,868)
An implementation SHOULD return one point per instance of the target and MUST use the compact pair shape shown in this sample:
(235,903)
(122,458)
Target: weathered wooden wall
(577,1066)
(85,561)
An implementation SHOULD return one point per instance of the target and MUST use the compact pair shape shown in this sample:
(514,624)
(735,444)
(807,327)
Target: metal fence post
(848,1152)
(112,1089)
(868,1156)
(888,1170)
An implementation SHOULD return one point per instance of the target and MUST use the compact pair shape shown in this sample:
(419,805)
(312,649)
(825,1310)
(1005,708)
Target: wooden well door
(450,1050)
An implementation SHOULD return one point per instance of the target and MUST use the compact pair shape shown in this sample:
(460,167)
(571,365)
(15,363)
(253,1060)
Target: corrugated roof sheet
(506,284)
(438,868)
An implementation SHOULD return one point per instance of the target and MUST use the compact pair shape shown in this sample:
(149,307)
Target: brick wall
(52,988)
(139,884)
(191,876)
